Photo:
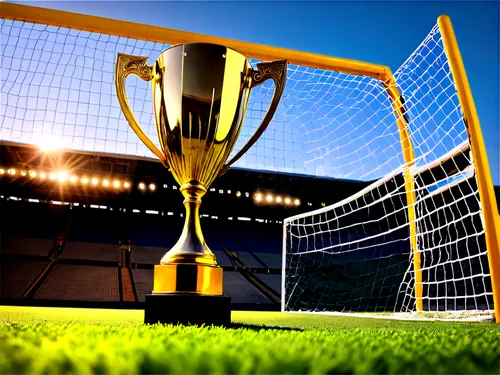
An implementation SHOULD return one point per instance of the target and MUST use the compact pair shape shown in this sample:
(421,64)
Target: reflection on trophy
(200,94)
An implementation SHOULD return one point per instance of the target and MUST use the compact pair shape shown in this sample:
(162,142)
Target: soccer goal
(422,238)
(422,241)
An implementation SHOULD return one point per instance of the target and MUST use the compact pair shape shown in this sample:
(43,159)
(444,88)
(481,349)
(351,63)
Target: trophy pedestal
(193,309)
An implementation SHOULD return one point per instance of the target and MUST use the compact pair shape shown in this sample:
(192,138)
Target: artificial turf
(36,340)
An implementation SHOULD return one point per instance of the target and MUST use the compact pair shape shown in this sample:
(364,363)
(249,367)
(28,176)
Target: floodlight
(152,187)
(142,185)
(279,199)
(62,177)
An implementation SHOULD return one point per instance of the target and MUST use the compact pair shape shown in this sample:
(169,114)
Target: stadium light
(116,184)
(48,143)
(126,184)
(32,173)
(297,202)
(23,173)
(288,200)
(95,181)
(105,183)
(73,179)
(11,171)
(62,176)
(52,176)
(247,195)
(279,199)
(229,191)
(85,180)
(142,186)
(43,176)
(2,171)
(152,187)
(238,194)
(269,198)
(258,197)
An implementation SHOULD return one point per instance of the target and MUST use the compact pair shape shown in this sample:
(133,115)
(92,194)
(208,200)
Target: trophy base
(187,309)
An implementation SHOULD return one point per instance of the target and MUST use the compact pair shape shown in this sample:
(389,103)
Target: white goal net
(356,255)
(57,90)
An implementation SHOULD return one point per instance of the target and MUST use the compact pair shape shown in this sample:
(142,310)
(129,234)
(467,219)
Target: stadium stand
(25,245)
(80,283)
(90,251)
(16,275)
(104,248)
(143,280)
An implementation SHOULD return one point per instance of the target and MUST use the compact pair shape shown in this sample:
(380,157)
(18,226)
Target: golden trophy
(200,94)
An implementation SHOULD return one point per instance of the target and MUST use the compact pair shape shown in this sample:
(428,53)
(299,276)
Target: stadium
(363,218)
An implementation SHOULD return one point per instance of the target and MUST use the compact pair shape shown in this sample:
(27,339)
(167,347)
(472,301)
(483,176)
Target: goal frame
(158,34)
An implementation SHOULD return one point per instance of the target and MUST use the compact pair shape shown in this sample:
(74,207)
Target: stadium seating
(147,255)
(90,251)
(80,283)
(94,235)
(16,275)
(241,291)
(143,281)
(272,281)
(25,246)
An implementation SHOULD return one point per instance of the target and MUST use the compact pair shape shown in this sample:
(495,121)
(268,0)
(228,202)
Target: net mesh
(355,256)
(57,89)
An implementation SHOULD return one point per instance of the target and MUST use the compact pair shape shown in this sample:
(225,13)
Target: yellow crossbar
(158,34)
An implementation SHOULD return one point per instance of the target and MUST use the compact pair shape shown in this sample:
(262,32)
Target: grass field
(36,340)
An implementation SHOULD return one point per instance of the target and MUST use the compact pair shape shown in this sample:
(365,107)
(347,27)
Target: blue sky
(379,32)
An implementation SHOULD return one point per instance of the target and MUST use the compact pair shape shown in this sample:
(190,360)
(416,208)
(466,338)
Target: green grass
(82,341)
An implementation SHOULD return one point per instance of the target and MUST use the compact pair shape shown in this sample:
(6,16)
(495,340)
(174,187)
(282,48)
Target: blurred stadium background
(91,238)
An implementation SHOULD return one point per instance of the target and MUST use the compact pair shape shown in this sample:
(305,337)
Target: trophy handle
(265,70)
(126,65)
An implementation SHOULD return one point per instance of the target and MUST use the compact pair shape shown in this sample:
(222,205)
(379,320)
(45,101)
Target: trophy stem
(191,247)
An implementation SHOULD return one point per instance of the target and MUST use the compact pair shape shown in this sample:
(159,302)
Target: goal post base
(462,316)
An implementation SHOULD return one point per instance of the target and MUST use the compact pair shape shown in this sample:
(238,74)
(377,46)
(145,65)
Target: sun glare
(49,143)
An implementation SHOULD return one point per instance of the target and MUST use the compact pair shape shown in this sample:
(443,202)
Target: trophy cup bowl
(200,94)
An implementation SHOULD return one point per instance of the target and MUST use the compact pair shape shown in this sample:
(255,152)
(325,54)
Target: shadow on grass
(255,327)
